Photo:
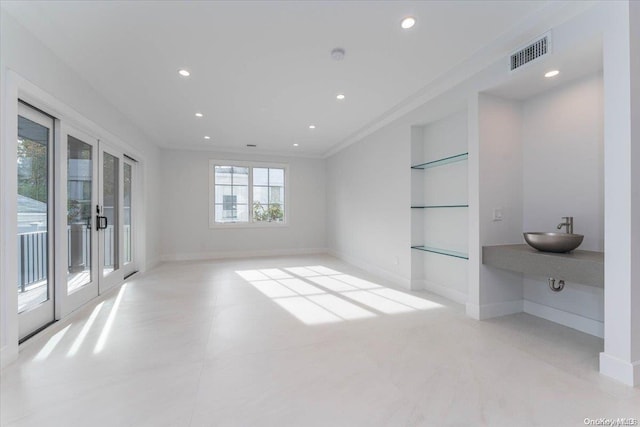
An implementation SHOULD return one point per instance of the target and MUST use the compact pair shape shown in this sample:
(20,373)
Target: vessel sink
(553,242)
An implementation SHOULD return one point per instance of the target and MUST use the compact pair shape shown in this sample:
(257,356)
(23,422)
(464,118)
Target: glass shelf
(442,162)
(439,206)
(455,254)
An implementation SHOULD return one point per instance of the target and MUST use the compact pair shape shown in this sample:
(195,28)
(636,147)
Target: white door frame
(67,303)
(108,281)
(131,267)
(36,318)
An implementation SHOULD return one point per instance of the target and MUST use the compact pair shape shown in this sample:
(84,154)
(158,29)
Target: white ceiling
(583,59)
(262,71)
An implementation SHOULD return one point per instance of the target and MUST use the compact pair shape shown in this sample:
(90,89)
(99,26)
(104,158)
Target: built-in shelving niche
(439,214)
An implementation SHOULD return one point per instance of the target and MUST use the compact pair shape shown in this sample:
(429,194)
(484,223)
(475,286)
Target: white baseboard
(8,354)
(444,291)
(571,320)
(620,370)
(198,256)
(488,311)
(383,273)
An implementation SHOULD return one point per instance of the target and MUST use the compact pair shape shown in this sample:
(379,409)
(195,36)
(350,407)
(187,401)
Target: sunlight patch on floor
(377,302)
(302,271)
(340,307)
(356,281)
(332,284)
(301,287)
(275,273)
(307,311)
(107,326)
(317,294)
(85,330)
(51,344)
(251,275)
(273,289)
(406,299)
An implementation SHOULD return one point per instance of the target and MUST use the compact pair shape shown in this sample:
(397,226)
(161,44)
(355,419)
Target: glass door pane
(35,226)
(110,210)
(33,214)
(80,157)
(128,171)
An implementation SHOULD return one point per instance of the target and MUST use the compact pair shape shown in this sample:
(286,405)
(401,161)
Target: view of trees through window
(79,181)
(268,194)
(32,169)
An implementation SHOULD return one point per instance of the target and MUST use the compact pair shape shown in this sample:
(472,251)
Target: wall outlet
(497,214)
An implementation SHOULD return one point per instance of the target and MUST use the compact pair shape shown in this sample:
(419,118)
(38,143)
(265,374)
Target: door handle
(101,222)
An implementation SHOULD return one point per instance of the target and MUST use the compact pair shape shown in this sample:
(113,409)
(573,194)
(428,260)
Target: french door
(80,242)
(91,192)
(35,221)
(109,218)
(129,206)
(99,227)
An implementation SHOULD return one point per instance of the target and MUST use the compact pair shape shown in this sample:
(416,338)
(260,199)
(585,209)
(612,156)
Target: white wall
(495,182)
(27,63)
(368,199)
(563,169)
(563,175)
(369,191)
(185,232)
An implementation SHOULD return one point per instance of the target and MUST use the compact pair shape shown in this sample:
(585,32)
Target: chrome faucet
(568,222)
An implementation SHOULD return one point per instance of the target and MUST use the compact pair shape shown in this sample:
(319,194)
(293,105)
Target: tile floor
(301,341)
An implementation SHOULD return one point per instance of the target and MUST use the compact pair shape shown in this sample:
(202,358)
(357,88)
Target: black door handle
(101,222)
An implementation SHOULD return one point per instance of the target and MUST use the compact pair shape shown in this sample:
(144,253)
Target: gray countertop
(584,267)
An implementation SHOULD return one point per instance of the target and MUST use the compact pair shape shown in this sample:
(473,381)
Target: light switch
(497,214)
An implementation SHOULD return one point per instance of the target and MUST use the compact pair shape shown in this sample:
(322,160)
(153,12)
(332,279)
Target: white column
(495,181)
(621,57)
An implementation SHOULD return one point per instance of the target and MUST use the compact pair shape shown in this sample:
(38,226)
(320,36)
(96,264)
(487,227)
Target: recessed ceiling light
(338,54)
(184,73)
(207,137)
(312,126)
(199,115)
(408,22)
(340,96)
(552,73)
(295,145)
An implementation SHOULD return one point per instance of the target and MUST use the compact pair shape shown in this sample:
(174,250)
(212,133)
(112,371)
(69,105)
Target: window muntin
(244,193)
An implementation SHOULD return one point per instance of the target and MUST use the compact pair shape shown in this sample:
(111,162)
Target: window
(244,193)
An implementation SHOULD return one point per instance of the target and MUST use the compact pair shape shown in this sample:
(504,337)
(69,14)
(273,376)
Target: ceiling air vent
(531,52)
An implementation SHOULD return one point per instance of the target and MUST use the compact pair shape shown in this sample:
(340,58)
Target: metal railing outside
(32,252)
(32,258)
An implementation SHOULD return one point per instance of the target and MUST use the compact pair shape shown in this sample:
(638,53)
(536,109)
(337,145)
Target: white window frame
(250,223)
